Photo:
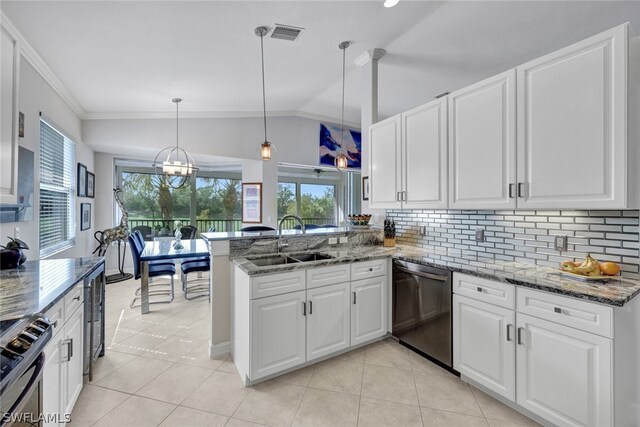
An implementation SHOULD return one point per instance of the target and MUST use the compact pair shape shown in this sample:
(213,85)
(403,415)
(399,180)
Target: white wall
(37,96)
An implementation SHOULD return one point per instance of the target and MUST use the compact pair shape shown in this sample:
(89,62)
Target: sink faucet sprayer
(282,244)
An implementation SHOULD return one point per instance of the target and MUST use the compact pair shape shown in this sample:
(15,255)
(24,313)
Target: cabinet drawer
(276,284)
(367,269)
(56,316)
(73,299)
(491,291)
(583,315)
(330,275)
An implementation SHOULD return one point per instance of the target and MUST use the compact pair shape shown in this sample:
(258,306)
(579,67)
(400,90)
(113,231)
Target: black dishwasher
(422,309)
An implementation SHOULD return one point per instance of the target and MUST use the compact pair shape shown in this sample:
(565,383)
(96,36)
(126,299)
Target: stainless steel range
(22,343)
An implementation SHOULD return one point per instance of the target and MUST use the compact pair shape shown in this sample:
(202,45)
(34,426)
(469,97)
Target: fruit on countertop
(609,268)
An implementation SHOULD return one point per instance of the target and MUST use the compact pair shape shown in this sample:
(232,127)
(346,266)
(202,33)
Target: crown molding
(29,53)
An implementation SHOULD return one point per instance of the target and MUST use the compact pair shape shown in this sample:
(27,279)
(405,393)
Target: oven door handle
(423,274)
(31,385)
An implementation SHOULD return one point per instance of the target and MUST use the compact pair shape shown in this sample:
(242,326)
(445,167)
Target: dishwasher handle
(423,274)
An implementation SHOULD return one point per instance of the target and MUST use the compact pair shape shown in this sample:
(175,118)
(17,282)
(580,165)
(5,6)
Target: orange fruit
(609,268)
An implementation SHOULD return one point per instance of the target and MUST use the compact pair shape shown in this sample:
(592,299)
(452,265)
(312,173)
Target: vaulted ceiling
(131,57)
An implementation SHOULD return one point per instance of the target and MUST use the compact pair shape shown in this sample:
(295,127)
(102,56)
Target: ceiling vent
(286,32)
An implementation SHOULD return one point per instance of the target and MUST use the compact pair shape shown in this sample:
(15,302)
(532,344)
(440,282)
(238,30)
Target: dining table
(166,250)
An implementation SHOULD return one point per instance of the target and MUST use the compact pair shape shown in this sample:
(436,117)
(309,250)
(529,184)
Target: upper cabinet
(482,144)
(408,155)
(572,125)
(9,72)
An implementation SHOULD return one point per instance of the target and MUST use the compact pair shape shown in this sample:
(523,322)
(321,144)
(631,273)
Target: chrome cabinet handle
(512,192)
(77,298)
(304,308)
(479,289)
(55,324)
(70,348)
(509,326)
(521,189)
(370,268)
(354,297)
(520,330)
(404,196)
(557,310)
(310,307)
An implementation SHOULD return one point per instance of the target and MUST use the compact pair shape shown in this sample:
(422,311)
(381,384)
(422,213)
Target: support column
(368,63)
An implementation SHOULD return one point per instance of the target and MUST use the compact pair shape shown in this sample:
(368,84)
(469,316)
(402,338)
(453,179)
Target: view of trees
(316,200)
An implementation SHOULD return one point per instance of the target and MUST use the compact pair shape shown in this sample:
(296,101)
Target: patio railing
(204,225)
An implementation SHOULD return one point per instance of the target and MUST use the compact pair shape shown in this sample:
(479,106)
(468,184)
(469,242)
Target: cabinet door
(277,333)
(564,375)
(572,125)
(328,319)
(484,344)
(9,72)
(368,309)
(482,147)
(424,156)
(52,380)
(385,179)
(75,365)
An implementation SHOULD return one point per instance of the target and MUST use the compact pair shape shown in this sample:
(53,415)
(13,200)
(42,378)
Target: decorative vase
(177,244)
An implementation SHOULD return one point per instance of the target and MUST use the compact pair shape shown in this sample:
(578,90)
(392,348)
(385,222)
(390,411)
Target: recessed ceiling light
(390,3)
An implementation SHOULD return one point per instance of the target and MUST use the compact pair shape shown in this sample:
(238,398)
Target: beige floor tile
(379,413)
(272,403)
(228,366)
(165,328)
(134,375)
(200,329)
(497,410)
(175,384)
(200,357)
(108,363)
(327,408)
(436,418)
(137,412)
(392,384)
(187,417)
(234,422)
(221,393)
(174,348)
(356,356)
(425,366)
(500,423)
(94,403)
(298,377)
(139,344)
(446,393)
(338,375)
(117,335)
(387,353)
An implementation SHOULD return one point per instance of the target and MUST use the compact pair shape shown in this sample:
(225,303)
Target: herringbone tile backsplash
(525,236)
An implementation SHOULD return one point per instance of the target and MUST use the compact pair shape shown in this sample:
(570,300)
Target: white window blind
(57,191)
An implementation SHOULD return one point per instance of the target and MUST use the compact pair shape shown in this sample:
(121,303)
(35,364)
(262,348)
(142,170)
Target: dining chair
(198,287)
(257,228)
(155,270)
(188,232)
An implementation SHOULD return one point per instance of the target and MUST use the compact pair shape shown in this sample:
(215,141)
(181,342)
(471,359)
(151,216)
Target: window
(287,199)
(57,191)
(318,203)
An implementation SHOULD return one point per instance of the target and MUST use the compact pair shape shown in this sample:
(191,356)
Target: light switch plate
(479,234)
(344,239)
(333,240)
(560,242)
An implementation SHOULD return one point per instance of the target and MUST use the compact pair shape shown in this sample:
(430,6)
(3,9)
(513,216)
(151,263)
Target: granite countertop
(37,285)
(238,235)
(615,291)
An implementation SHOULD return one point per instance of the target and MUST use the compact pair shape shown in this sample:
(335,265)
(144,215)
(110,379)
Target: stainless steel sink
(274,260)
(310,257)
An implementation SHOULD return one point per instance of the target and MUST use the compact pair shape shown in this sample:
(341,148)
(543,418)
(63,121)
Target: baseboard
(217,351)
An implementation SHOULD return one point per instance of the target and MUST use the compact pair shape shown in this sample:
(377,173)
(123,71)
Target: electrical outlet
(16,232)
(344,239)
(333,240)
(423,230)
(560,242)
(479,234)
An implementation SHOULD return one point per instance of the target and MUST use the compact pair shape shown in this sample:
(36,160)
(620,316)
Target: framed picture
(333,141)
(82,180)
(252,202)
(21,124)
(365,188)
(85,216)
(91,184)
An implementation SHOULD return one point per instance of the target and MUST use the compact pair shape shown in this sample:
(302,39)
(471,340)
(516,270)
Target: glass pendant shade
(265,150)
(341,162)
(266,147)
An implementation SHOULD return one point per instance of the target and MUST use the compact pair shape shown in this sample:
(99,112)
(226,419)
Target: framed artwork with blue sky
(330,145)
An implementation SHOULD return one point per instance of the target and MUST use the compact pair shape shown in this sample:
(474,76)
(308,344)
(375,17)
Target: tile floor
(156,372)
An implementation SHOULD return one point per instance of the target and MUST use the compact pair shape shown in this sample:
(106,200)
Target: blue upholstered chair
(155,270)
(199,288)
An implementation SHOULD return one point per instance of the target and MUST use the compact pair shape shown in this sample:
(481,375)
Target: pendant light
(342,161)
(174,166)
(266,146)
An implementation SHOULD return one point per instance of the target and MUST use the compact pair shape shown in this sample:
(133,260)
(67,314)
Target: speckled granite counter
(38,285)
(616,291)
(239,235)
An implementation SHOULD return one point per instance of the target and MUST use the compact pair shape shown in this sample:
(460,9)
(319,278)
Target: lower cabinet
(327,320)
(52,379)
(483,344)
(564,375)
(75,365)
(369,311)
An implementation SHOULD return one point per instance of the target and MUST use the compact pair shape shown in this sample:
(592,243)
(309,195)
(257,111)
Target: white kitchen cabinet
(277,333)
(482,144)
(385,158)
(424,156)
(74,367)
(369,309)
(9,74)
(52,379)
(328,319)
(564,375)
(484,344)
(572,125)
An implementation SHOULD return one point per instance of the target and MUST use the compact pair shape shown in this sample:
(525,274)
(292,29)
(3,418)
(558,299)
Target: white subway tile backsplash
(525,236)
